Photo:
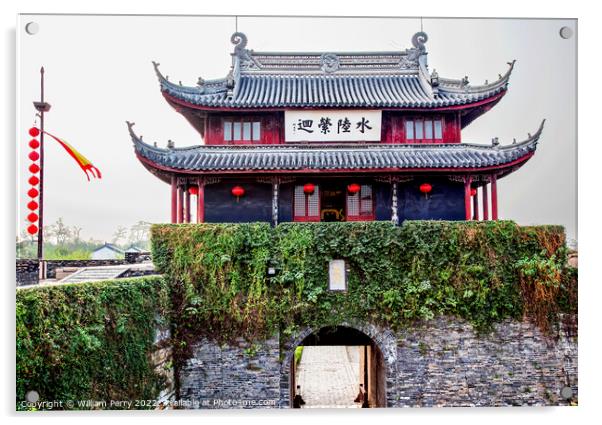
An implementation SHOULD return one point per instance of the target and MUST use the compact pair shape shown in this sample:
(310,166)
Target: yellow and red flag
(81,160)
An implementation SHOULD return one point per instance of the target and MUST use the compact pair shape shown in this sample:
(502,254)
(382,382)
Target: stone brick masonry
(441,362)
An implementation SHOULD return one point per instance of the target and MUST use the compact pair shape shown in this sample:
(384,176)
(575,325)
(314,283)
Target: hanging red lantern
(32,205)
(32,217)
(353,188)
(34,156)
(426,188)
(193,190)
(238,191)
(32,229)
(33,180)
(34,144)
(33,192)
(473,191)
(34,168)
(309,188)
(34,132)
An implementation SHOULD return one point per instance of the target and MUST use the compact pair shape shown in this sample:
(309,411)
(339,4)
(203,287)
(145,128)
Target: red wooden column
(200,202)
(485,203)
(493,197)
(174,200)
(467,181)
(180,217)
(187,197)
(475,205)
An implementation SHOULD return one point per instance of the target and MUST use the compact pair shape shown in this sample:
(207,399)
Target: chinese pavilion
(332,137)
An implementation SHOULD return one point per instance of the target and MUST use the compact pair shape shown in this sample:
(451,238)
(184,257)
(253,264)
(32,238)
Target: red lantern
(32,229)
(34,156)
(473,191)
(32,205)
(33,192)
(426,188)
(193,190)
(308,188)
(32,217)
(34,168)
(238,191)
(34,132)
(33,180)
(353,188)
(34,144)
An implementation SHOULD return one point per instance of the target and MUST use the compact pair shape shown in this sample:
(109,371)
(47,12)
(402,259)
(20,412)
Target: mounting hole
(566,393)
(566,32)
(32,28)
(32,396)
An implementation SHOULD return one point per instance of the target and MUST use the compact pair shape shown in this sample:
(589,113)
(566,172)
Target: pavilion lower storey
(324,198)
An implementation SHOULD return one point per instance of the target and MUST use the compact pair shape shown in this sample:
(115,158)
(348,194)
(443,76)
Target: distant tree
(120,234)
(61,231)
(75,233)
(139,233)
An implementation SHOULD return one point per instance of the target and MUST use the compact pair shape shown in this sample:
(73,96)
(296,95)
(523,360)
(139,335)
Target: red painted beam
(475,206)
(493,197)
(485,203)
(467,181)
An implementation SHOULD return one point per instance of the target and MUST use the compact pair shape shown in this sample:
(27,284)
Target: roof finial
(419,39)
(239,39)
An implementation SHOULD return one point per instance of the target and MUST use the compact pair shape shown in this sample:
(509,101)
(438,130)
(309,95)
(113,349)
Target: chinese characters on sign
(332,126)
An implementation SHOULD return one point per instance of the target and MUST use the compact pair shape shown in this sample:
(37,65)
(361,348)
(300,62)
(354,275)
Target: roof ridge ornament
(329,62)
(239,39)
(412,55)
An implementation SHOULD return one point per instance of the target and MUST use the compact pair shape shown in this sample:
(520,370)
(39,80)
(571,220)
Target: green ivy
(472,270)
(89,341)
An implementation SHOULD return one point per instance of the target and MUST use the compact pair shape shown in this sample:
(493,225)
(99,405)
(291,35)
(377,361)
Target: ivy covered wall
(90,341)
(482,272)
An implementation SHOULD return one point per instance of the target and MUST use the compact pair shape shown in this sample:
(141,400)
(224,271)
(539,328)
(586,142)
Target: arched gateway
(374,363)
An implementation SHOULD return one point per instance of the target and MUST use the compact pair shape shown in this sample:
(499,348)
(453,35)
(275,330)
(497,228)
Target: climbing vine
(483,272)
(89,341)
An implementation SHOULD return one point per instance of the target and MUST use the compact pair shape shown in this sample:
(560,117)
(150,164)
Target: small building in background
(107,252)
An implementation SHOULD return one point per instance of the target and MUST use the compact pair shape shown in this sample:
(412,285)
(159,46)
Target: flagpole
(41,107)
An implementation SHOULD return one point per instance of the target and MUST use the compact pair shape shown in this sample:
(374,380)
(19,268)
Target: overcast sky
(99,74)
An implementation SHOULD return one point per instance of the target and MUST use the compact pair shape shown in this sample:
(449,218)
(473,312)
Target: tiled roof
(369,79)
(334,157)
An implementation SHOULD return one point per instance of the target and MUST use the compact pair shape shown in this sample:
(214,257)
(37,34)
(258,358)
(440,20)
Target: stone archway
(376,361)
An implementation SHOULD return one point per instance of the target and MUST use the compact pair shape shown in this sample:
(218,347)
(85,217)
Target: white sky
(99,74)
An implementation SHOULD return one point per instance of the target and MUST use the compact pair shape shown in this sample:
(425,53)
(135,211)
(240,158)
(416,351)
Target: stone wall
(444,362)
(27,272)
(237,375)
(162,359)
(52,265)
(441,362)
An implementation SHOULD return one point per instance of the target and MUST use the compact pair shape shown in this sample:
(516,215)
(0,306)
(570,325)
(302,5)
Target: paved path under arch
(329,376)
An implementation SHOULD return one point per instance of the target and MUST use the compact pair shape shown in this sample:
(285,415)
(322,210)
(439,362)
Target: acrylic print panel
(174,242)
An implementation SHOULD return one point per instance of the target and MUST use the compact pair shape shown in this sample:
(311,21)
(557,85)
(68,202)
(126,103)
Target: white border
(589,163)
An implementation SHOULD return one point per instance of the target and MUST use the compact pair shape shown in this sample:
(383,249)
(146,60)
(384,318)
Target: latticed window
(424,130)
(240,130)
(307,206)
(360,205)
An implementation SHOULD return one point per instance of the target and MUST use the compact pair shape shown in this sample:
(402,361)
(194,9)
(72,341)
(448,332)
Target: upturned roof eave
(501,156)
